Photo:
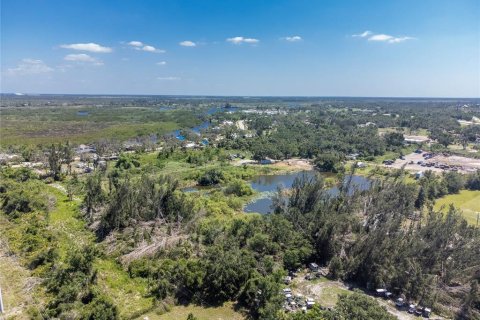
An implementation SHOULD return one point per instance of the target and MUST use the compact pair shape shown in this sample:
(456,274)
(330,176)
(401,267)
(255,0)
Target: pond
(267,185)
(206,124)
(82,113)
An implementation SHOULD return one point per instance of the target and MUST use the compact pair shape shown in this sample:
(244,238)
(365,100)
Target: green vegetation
(46,229)
(381,252)
(467,201)
(226,311)
(128,240)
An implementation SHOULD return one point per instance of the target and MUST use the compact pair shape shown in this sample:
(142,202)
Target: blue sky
(428,48)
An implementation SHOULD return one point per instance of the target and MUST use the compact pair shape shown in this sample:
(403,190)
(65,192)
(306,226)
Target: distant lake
(267,184)
(82,113)
(163,108)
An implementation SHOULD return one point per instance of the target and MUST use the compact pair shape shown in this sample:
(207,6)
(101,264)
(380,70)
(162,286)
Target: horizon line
(18,94)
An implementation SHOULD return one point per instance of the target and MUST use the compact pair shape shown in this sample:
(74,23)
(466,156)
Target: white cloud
(82,57)
(188,43)
(136,43)
(161,63)
(149,48)
(363,34)
(381,37)
(30,66)
(91,47)
(251,40)
(168,78)
(388,38)
(140,46)
(293,38)
(400,39)
(240,40)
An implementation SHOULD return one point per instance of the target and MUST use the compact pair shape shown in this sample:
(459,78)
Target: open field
(225,312)
(468,201)
(324,291)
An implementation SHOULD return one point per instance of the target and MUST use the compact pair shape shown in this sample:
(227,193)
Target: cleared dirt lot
(464,164)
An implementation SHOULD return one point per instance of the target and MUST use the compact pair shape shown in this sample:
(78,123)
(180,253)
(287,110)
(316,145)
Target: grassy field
(225,312)
(467,201)
(130,295)
(329,295)
(404,130)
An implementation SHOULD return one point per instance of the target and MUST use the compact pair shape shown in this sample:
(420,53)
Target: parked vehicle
(411,308)
(399,303)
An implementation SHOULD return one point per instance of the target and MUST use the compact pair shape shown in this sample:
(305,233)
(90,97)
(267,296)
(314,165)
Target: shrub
(239,188)
(211,177)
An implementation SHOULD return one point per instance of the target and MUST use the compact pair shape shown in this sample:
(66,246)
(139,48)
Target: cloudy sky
(428,48)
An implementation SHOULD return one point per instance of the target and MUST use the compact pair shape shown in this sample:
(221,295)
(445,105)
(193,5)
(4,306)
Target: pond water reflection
(267,184)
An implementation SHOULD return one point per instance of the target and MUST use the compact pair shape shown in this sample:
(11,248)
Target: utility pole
(2,310)
(478,217)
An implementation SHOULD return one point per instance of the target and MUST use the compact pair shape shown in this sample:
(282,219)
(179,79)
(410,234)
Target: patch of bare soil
(462,164)
(294,164)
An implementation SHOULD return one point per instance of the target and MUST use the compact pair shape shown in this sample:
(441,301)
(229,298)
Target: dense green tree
(211,177)
(473,181)
(442,136)
(394,139)
(261,295)
(127,161)
(239,188)
(145,199)
(454,181)
(54,155)
(100,308)
(94,194)
(329,162)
